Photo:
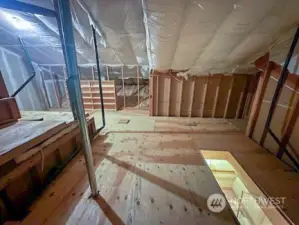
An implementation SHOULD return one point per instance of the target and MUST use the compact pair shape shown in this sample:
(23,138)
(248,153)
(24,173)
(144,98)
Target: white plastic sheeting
(200,36)
(32,97)
(216,36)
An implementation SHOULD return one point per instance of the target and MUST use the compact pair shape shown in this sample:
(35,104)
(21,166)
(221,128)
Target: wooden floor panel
(152,177)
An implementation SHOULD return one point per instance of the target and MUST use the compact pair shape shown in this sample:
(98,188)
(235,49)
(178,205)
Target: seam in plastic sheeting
(147,35)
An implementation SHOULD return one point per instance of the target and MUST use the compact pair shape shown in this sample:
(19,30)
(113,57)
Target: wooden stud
(45,89)
(123,81)
(55,88)
(151,95)
(204,96)
(192,96)
(138,87)
(229,96)
(169,97)
(258,99)
(250,95)
(180,98)
(92,71)
(157,97)
(216,98)
(65,82)
(107,72)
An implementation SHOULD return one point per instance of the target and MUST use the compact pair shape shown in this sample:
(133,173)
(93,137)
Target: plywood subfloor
(148,174)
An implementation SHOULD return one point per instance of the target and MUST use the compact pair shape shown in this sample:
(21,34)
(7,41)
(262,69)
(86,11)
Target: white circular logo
(216,203)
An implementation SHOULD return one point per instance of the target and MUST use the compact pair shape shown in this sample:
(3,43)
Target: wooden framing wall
(91,95)
(216,96)
(284,123)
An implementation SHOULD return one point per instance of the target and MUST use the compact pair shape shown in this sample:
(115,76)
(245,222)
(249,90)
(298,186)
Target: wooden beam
(216,98)
(258,99)
(181,87)
(157,97)
(170,93)
(55,88)
(251,93)
(138,87)
(192,96)
(229,96)
(123,82)
(151,95)
(45,89)
(167,81)
(92,72)
(107,72)
(204,96)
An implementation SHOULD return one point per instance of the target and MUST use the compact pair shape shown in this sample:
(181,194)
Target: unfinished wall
(217,96)
(283,111)
(15,73)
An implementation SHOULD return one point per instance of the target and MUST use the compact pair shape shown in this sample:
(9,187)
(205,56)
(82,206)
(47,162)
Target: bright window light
(18,22)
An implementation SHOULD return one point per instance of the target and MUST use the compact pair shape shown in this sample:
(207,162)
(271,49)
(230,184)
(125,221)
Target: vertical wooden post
(123,80)
(151,95)
(258,99)
(229,96)
(92,71)
(204,96)
(169,96)
(55,88)
(138,91)
(216,97)
(192,96)
(65,77)
(157,96)
(45,89)
(180,97)
(107,71)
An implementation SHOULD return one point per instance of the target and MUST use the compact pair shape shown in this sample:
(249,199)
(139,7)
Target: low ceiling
(199,36)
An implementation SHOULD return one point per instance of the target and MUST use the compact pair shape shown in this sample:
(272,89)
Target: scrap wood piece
(48,147)
(123,121)
(26,155)
(9,110)
(24,135)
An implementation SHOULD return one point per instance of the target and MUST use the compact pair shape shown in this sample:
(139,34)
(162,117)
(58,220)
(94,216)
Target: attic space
(142,111)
